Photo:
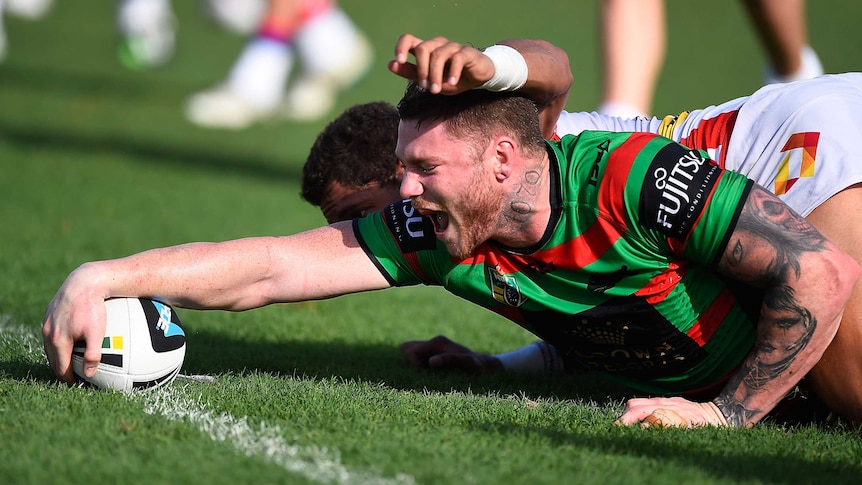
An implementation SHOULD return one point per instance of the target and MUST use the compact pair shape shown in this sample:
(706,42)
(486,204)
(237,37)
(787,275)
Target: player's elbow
(849,273)
(841,272)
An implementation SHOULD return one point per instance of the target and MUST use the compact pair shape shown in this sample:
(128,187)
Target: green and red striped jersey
(623,280)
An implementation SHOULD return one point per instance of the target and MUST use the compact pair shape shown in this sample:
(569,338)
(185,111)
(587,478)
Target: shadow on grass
(723,459)
(22,370)
(215,353)
(212,353)
(155,152)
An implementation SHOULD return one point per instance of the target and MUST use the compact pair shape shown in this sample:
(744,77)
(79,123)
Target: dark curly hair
(355,149)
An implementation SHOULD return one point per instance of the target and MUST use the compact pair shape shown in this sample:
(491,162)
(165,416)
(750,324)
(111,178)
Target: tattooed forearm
(767,247)
(785,331)
(735,412)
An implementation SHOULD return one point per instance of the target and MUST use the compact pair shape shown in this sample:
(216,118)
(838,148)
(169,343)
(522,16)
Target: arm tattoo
(735,412)
(767,220)
(770,230)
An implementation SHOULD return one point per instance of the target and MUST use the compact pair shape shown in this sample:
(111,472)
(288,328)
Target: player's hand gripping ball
(664,418)
(144,346)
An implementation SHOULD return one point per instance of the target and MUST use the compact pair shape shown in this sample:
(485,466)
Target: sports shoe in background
(147,33)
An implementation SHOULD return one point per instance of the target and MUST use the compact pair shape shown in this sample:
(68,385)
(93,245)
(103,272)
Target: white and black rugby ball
(144,346)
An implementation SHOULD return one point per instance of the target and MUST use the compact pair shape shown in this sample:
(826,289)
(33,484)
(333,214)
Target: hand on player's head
(441,66)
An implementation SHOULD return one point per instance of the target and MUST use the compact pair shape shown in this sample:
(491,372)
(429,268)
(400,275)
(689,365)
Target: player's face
(343,203)
(449,180)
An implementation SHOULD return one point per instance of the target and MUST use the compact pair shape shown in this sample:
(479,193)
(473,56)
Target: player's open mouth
(440,220)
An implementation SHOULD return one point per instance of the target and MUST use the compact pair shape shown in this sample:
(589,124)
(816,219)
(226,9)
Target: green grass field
(97,162)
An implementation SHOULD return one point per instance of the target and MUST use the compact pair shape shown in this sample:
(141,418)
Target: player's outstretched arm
(807,281)
(541,70)
(232,275)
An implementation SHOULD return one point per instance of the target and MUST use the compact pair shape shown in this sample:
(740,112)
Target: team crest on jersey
(411,230)
(675,189)
(505,288)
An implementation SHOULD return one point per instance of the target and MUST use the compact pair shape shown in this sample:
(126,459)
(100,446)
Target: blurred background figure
(241,17)
(634,43)
(332,54)
(148,28)
(26,9)
(782,29)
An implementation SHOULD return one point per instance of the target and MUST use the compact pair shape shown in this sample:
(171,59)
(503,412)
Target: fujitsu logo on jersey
(675,185)
(675,190)
(411,230)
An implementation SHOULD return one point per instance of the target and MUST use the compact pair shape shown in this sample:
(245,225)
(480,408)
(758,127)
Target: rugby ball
(144,346)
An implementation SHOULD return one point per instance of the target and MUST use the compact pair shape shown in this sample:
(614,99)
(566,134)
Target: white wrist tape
(510,69)
(536,357)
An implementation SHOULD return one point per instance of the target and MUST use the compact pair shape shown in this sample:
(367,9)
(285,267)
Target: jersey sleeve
(671,201)
(403,246)
(689,200)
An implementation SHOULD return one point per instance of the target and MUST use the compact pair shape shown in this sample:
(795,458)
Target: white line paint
(317,463)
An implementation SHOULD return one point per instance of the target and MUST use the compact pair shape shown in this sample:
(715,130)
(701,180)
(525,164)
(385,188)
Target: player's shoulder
(587,142)
(588,139)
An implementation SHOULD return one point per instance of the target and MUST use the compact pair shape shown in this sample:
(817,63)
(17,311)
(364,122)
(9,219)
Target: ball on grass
(143,348)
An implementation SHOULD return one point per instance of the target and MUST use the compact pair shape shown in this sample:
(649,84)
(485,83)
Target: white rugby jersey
(795,139)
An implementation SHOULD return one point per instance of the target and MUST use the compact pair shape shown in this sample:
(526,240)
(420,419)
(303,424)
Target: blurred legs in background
(331,52)
(2,34)
(633,47)
(147,31)
(634,42)
(238,16)
(316,35)
(148,28)
(783,31)
(26,9)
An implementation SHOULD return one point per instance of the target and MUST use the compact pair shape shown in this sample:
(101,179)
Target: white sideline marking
(203,378)
(317,463)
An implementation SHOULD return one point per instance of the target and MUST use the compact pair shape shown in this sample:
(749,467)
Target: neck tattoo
(524,198)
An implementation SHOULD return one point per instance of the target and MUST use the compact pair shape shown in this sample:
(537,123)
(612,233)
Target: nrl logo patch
(505,288)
